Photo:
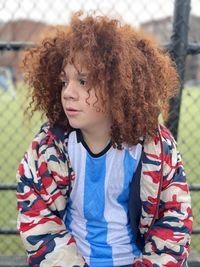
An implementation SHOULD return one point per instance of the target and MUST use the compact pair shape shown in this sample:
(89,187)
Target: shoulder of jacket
(167,139)
(163,143)
(166,133)
(49,136)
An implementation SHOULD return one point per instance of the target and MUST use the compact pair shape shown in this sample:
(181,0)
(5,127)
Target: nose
(70,91)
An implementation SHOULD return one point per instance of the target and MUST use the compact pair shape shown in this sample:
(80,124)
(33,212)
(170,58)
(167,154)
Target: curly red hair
(124,64)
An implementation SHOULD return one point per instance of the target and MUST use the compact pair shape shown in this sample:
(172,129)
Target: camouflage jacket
(159,203)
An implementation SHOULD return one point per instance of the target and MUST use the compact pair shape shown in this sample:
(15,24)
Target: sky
(59,11)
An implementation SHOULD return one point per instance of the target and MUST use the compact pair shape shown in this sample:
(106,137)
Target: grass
(15,137)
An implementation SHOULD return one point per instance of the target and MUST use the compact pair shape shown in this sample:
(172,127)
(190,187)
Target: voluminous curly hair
(125,66)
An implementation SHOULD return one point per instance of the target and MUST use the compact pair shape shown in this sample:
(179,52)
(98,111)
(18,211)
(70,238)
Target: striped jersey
(97,210)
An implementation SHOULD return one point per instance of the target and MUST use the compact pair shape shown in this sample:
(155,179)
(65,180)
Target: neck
(97,140)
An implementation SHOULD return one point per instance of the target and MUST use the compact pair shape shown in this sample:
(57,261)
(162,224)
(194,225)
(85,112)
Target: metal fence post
(178,50)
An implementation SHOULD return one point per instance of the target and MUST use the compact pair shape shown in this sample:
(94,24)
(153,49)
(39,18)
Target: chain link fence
(175,24)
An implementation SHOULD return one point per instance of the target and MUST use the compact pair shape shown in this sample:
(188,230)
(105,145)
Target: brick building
(20,31)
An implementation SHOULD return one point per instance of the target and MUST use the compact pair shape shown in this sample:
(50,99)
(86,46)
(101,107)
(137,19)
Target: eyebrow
(81,74)
(63,75)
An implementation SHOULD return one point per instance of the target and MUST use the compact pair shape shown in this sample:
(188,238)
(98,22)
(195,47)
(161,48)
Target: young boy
(102,183)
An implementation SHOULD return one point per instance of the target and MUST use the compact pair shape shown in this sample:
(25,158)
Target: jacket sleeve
(169,238)
(41,196)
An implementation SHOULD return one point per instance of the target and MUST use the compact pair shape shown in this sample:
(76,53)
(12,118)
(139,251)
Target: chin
(75,125)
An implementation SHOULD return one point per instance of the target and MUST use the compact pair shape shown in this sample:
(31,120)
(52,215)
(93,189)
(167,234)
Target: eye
(82,82)
(64,83)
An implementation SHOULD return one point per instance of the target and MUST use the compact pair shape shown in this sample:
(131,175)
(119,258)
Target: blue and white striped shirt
(97,211)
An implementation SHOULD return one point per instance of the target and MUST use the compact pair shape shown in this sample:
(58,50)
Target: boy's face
(80,106)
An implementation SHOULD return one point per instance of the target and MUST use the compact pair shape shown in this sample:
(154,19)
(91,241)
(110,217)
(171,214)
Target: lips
(71,111)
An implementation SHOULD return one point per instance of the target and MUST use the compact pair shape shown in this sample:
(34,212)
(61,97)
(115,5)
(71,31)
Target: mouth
(71,111)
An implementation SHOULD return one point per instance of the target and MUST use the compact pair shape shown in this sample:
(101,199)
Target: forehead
(76,64)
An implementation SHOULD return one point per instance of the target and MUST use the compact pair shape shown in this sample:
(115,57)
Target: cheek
(94,101)
(91,98)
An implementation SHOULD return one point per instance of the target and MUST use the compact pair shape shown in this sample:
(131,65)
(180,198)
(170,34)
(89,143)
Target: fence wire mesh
(25,22)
